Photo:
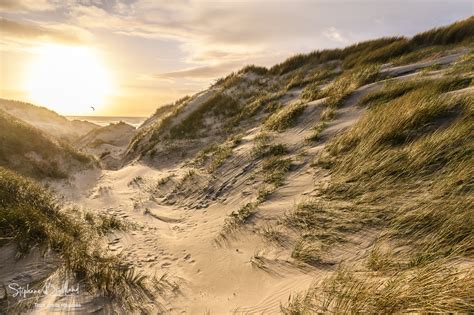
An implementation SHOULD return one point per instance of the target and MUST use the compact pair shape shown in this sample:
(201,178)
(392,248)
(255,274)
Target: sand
(181,242)
(243,274)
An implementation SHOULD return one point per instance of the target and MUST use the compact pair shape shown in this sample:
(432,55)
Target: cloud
(226,31)
(333,34)
(243,29)
(20,31)
(204,72)
(25,5)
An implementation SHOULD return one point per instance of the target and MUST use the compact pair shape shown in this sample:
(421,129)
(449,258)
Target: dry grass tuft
(31,217)
(263,147)
(435,288)
(285,118)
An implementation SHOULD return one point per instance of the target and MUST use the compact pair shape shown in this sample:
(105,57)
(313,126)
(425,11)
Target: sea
(106,120)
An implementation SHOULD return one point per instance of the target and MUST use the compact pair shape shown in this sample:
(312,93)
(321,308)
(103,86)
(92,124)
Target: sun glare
(69,80)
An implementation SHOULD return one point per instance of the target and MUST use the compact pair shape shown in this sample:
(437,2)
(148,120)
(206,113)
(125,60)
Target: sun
(69,80)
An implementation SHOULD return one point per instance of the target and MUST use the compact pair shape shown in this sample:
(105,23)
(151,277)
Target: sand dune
(47,120)
(209,205)
(243,274)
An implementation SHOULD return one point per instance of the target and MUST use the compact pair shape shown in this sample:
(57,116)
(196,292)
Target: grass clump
(164,180)
(388,93)
(264,193)
(29,151)
(254,69)
(312,90)
(326,115)
(274,235)
(291,64)
(274,170)
(336,92)
(393,91)
(400,47)
(419,54)
(329,55)
(193,126)
(311,253)
(339,90)
(412,152)
(264,148)
(30,217)
(378,260)
(270,150)
(267,102)
(230,81)
(455,33)
(153,128)
(320,220)
(189,178)
(296,81)
(105,224)
(382,54)
(435,288)
(316,131)
(215,155)
(259,261)
(321,223)
(219,156)
(285,118)
(464,66)
(239,217)
(402,121)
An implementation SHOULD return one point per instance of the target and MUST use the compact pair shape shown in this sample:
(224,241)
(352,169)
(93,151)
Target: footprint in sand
(151,259)
(114,249)
(165,265)
(114,241)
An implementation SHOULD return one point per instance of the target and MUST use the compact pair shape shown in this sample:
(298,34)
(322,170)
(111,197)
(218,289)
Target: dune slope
(34,153)
(47,120)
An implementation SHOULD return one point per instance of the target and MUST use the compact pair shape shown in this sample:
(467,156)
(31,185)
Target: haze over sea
(106,120)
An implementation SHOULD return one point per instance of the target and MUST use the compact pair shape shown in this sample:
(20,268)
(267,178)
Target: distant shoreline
(106,120)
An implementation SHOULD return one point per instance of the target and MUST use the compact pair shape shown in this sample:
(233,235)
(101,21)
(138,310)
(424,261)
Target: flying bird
(93,108)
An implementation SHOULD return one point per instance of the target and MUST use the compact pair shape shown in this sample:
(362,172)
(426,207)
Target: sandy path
(181,242)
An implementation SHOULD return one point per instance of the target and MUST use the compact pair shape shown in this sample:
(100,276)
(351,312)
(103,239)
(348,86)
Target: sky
(129,57)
